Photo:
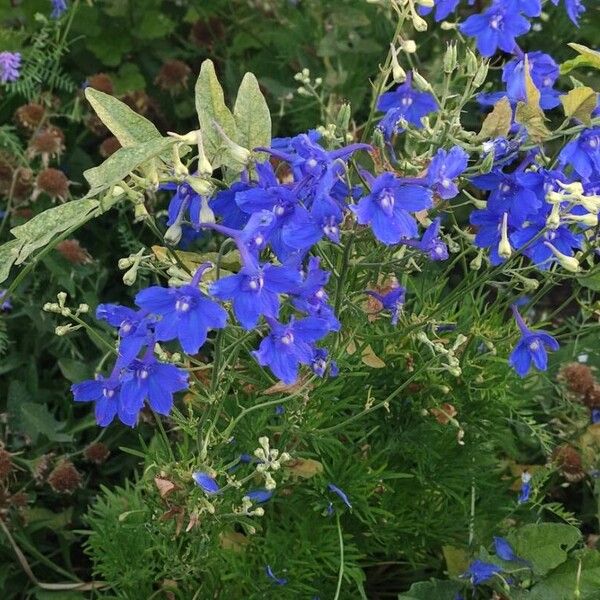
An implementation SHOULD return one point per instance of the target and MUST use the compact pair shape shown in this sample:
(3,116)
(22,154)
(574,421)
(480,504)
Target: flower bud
(481,74)
(62,298)
(398,73)
(475,264)
(117,191)
(125,263)
(140,212)
(200,186)
(589,220)
(504,249)
(206,213)
(450,59)
(173,234)
(419,23)
(553,220)
(343,117)
(426,3)
(570,263)
(487,163)
(471,64)
(420,82)
(409,46)
(130,276)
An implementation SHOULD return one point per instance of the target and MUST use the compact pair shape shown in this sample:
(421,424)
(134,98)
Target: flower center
(406,101)
(143,374)
(550,235)
(256,283)
(108,393)
(534,345)
(279,210)
(386,201)
(496,22)
(183,304)
(288,338)
(505,187)
(126,327)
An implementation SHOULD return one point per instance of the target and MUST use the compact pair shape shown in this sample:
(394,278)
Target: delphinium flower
(148,380)
(496,27)
(185,312)
(320,365)
(531,348)
(574,8)
(259,496)
(225,206)
(132,328)
(479,572)
(444,168)
(393,301)
(206,482)
(276,580)
(544,73)
(406,103)
(530,8)
(504,550)
(388,206)
(525,490)
(58,8)
(443,8)
(106,394)
(10,66)
(583,153)
(431,243)
(5,304)
(494,226)
(339,492)
(289,345)
(184,203)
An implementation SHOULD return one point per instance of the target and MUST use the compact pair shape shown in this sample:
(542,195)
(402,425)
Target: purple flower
(496,27)
(530,8)
(531,348)
(446,166)
(504,550)
(259,496)
(186,313)
(320,366)
(386,208)
(58,8)
(289,345)
(595,416)
(480,572)
(5,305)
(254,291)
(392,301)
(431,243)
(206,482)
(271,575)
(443,8)
(574,8)
(404,103)
(148,380)
(525,491)
(583,153)
(336,490)
(184,203)
(10,66)
(106,393)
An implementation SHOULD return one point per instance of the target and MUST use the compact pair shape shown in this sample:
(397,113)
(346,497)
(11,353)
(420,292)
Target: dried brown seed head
(64,478)
(52,182)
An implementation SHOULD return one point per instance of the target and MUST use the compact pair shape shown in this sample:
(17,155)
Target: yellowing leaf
(371,359)
(579,104)
(304,467)
(591,56)
(457,560)
(233,540)
(192,260)
(529,114)
(498,122)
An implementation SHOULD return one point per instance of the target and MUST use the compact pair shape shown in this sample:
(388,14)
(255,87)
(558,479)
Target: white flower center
(287,339)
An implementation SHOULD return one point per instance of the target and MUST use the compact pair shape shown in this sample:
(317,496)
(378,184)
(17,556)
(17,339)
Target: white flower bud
(206,213)
(553,220)
(504,249)
(570,263)
(130,276)
(173,234)
(588,220)
(62,298)
(409,46)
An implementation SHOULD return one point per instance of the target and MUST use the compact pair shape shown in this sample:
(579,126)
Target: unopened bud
(173,234)
(343,117)
(481,74)
(570,263)
(471,64)
(475,264)
(62,298)
(398,73)
(588,220)
(450,59)
(409,46)
(130,276)
(419,23)
(200,186)
(553,220)
(206,213)
(117,191)
(140,212)
(420,82)
(504,249)
(487,163)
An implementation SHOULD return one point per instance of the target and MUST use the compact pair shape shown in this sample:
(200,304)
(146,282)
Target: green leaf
(544,545)
(587,58)
(252,115)
(37,232)
(153,24)
(123,162)
(498,122)
(589,281)
(428,590)
(529,114)
(579,104)
(561,583)
(211,109)
(127,126)
(9,252)
(74,370)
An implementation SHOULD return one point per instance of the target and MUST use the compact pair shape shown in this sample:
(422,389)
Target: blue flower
(531,348)
(595,416)
(386,208)
(443,8)
(320,366)
(224,205)
(574,8)
(271,575)
(289,345)
(504,550)
(206,482)
(404,103)
(184,203)
(133,328)
(480,572)
(186,313)
(446,166)
(431,243)
(259,496)
(544,72)
(336,490)
(525,491)
(106,393)
(496,27)
(254,291)
(58,8)
(392,301)
(10,66)
(583,153)
(5,304)
(151,381)
(530,8)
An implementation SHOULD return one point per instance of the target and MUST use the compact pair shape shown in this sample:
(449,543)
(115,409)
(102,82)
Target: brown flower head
(173,76)
(74,252)
(23,183)
(204,34)
(30,115)
(47,143)
(52,182)
(568,461)
(138,101)
(64,478)
(6,464)
(101,82)
(577,377)
(592,397)
(96,453)
(109,146)
(42,464)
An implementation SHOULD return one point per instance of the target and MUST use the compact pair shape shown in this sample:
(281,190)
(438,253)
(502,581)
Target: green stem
(338,589)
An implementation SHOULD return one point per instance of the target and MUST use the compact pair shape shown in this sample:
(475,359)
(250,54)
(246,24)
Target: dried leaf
(371,359)
(165,486)
(233,540)
(305,468)
(529,114)
(284,388)
(498,122)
